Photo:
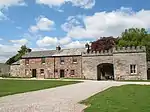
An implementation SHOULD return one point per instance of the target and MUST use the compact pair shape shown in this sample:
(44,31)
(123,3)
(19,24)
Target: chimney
(58,48)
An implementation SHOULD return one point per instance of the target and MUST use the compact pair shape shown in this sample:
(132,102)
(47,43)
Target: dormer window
(43,60)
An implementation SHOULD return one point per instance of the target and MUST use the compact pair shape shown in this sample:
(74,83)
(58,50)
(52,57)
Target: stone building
(4,69)
(116,64)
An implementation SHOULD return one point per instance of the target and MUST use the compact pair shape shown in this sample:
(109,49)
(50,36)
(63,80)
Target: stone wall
(35,63)
(86,66)
(4,69)
(90,63)
(122,62)
(67,66)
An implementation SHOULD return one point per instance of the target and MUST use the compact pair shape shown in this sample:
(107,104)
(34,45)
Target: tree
(135,37)
(23,50)
(104,43)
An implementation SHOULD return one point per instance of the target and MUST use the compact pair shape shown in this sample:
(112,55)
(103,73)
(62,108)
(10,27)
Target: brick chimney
(58,48)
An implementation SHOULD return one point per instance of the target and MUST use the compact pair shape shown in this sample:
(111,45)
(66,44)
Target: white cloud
(86,4)
(47,41)
(6,53)
(76,44)
(51,2)
(2,16)
(65,40)
(42,24)
(20,41)
(72,22)
(8,3)
(110,23)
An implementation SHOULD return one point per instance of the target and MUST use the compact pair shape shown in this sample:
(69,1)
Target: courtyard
(66,98)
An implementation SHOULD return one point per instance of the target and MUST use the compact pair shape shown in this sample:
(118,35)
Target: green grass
(127,98)
(134,80)
(9,87)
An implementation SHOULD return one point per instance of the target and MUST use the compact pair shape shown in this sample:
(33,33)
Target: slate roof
(51,53)
(16,63)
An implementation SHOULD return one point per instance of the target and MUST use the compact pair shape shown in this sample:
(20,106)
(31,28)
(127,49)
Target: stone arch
(105,71)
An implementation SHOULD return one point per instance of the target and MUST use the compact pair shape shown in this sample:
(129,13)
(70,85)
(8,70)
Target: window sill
(75,62)
(133,73)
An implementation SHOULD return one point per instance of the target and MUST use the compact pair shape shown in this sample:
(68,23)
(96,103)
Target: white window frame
(132,69)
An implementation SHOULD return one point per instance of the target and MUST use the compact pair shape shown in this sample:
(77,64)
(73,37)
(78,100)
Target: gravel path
(60,99)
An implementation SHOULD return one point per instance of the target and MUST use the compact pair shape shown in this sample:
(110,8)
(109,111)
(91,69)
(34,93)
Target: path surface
(60,99)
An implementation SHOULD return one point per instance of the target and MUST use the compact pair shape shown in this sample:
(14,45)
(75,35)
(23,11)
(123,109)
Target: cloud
(47,41)
(20,41)
(8,3)
(109,23)
(76,44)
(52,41)
(86,4)
(18,27)
(2,16)
(6,53)
(71,22)
(65,40)
(42,24)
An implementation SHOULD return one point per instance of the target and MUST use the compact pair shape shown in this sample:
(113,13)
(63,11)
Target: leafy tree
(135,37)
(104,43)
(18,56)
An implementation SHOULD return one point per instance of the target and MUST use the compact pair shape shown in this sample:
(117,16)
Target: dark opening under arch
(105,71)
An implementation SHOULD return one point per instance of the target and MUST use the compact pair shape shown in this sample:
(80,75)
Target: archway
(105,71)
(148,74)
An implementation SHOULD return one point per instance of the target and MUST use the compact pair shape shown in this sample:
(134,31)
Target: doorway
(33,72)
(148,74)
(105,71)
(62,73)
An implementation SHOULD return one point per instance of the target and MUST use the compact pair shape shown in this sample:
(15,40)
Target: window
(0,70)
(43,60)
(62,60)
(26,72)
(74,59)
(72,72)
(56,70)
(42,71)
(26,61)
(133,69)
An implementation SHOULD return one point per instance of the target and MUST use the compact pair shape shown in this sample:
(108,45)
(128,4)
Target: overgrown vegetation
(9,87)
(127,98)
(23,50)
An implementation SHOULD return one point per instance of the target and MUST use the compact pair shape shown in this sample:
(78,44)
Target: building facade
(116,64)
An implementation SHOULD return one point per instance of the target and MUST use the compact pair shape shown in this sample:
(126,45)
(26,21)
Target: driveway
(60,99)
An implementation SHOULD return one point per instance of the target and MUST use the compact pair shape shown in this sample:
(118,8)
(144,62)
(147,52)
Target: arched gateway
(105,71)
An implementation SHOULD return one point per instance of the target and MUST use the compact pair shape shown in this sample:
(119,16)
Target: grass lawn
(8,87)
(127,98)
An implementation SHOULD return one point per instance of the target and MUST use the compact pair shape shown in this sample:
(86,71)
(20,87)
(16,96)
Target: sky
(45,24)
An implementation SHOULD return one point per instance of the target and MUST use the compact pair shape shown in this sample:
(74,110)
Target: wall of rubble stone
(67,66)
